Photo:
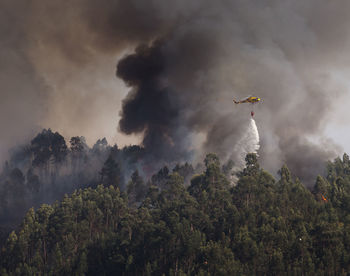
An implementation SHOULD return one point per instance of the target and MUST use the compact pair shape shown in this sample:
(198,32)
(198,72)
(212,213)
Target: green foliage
(186,171)
(257,226)
(110,173)
(136,189)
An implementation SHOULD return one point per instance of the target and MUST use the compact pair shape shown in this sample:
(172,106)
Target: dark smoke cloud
(233,49)
(194,58)
(151,108)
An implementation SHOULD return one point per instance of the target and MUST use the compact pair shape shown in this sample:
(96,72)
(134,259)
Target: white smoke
(248,143)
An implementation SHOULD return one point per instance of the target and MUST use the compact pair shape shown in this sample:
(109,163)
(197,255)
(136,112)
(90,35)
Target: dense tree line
(260,226)
(49,167)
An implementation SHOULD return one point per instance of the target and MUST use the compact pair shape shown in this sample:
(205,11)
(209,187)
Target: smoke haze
(179,65)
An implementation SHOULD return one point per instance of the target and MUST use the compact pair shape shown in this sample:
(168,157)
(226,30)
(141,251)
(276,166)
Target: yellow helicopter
(251,100)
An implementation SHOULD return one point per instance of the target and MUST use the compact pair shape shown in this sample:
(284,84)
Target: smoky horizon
(164,74)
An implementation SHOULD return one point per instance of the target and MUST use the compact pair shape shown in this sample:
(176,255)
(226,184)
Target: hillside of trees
(260,226)
(48,167)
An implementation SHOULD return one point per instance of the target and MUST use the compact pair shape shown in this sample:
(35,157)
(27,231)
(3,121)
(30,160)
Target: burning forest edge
(217,225)
(47,169)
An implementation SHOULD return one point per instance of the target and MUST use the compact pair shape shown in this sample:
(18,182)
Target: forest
(75,210)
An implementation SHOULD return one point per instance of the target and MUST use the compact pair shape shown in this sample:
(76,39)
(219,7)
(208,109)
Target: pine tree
(110,173)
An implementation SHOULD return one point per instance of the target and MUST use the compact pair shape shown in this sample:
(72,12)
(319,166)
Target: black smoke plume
(149,108)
